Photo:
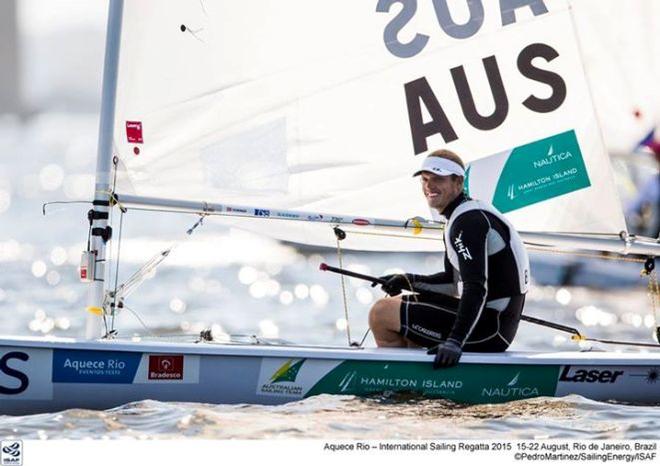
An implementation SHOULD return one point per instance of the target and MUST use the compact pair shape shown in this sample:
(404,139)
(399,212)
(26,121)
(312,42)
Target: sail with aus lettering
(260,113)
(330,109)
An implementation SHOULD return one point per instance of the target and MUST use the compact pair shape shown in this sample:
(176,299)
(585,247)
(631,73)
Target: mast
(100,229)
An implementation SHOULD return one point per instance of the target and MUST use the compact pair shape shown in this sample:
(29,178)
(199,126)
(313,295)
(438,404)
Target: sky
(38,17)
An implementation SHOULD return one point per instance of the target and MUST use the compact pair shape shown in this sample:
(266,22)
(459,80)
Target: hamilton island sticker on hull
(473,383)
(531,173)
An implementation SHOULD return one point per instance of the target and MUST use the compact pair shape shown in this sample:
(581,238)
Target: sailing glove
(397,282)
(447,354)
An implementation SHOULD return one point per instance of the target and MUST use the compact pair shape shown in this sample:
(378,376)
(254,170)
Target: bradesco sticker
(469,383)
(165,367)
(25,374)
(168,368)
(529,174)
(81,366)
(291,378)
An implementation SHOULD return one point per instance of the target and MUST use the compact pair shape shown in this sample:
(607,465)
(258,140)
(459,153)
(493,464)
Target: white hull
(46,375)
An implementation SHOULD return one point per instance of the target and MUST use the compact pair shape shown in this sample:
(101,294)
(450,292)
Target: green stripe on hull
(467,383)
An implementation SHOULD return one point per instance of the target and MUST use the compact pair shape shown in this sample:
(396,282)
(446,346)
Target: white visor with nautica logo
(440,166)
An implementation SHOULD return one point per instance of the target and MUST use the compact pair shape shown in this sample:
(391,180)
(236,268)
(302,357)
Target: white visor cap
(440,166)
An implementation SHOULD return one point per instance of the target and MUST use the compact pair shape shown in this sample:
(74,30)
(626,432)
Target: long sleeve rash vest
(485,259)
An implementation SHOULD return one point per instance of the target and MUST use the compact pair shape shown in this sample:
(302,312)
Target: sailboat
(305,123)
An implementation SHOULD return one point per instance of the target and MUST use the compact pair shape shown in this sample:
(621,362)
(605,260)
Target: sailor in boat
(476,303)
(643,212)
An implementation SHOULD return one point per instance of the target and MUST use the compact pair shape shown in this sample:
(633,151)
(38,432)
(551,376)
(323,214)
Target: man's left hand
(447,354)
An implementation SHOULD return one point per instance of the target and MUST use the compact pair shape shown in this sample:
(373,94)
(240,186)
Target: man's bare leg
(385,322)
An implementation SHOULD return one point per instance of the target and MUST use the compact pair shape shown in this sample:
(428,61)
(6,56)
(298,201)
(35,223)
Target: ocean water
(245,284)
(346,417)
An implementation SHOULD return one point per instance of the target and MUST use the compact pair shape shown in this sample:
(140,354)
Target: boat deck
(333,352)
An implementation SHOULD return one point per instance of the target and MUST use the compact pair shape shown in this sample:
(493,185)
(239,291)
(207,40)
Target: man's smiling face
(440,190)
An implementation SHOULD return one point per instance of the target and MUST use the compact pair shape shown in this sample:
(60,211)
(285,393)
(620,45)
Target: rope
(343,290)
(653,286)
(108,258)
(615,342)
(586,254)
(137,278)
(653,290)
(393,235)
(46,204)
(654,293)
(137,316)
(364,337)
(114,298)
(115,161)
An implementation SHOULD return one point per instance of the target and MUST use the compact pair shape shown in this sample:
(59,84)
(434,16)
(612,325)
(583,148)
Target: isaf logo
(11,453)
(6,369)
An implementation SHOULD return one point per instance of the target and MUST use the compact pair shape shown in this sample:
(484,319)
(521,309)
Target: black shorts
(427,319)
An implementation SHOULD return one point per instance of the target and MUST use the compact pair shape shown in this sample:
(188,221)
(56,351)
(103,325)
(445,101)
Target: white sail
(318,107)
(618,44)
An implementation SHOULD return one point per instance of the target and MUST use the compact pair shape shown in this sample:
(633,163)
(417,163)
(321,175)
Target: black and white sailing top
(485,263)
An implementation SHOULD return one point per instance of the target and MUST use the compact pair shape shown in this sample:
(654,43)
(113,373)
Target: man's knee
(376,313)
(384,314)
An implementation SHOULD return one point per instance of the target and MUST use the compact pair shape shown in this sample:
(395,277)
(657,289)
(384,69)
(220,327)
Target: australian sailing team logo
(282,381)
(287,372)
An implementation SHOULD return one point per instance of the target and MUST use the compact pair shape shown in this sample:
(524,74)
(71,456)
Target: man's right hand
(394,284)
